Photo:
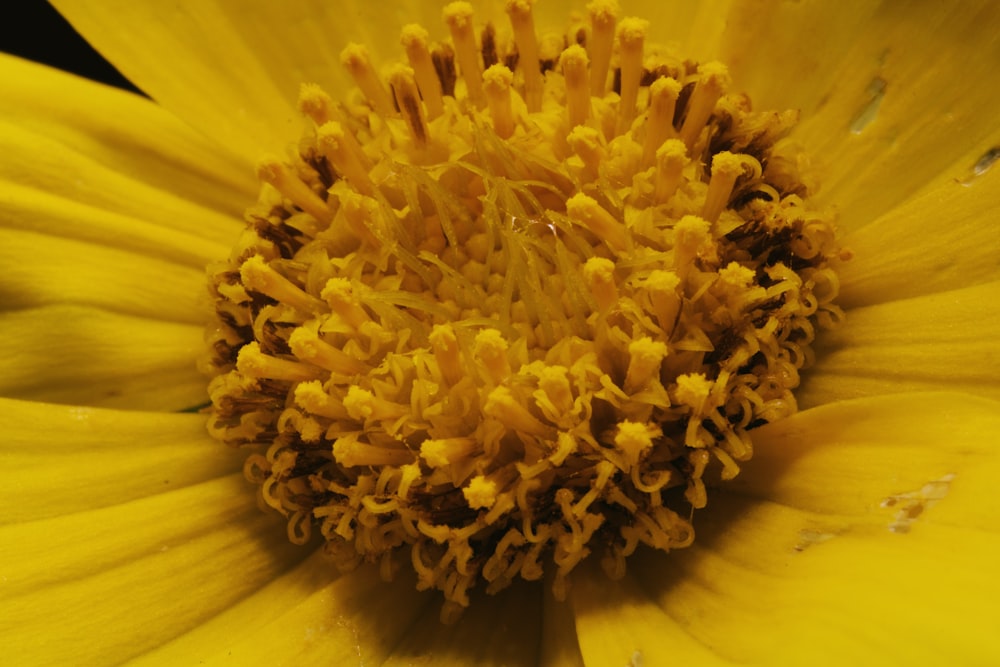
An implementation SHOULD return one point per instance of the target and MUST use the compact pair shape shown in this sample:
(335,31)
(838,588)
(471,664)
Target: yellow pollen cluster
(513,303)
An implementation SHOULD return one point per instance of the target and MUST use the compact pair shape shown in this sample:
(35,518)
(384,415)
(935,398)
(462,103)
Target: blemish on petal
(809,537)
(869,111)
(911,505)
(982,165)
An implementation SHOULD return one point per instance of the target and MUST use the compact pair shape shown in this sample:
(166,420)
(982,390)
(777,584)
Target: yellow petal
(942,341)
(48,212)
(116,151)
(501,630)
(66,459)
(892,97)
(819,552)
(938,241)
(929,65)
(233,70)
(40,269)
(88,356)
(307,617)
(101,586)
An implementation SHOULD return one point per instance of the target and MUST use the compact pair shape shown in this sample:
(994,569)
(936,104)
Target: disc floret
(503,310)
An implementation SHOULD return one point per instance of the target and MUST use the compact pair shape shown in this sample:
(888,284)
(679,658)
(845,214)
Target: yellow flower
(863,529)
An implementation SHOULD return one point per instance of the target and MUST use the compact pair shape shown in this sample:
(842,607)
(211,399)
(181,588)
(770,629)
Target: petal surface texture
(856,528)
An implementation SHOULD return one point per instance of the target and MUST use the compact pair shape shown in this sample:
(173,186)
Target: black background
(34,30)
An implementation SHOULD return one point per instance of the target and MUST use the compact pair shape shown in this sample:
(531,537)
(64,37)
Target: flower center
(513,305)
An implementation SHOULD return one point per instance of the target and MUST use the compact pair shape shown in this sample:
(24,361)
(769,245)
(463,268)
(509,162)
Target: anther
(587,212)
(496,84)
(586,143)
(458,16)
(490,349)
(633,439)
(446,351)
(278,175)
(603,15)
(501,405)
(415,40)
(631,39)
(355,58)
(363,405)
(441,452)
(350,452)
(343,152)
(258,276)
(404,85)
(660,120)
(713,80)
(574,67)
(554,384)
(253,363)
(481,493)
(315,103)
(527,47)
(671,157)
(661,286)
(726,168)
(599,274)
(691,235)
(308,346)
(311,397)
(339,294)
(645,357)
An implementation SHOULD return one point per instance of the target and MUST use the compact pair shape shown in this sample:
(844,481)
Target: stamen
(442,452)
(634,439)
(315,103)
(631,38)
(660,122)
(490,348)
(502,406)
(662,289)
(645,357)
(481,493)
(603,16)
(713,80)
(363,405)
(670,160)
(351,453)
(692,236)
(355,58)
(496,83)
(446,351)
(278,175)
(308,346)
(404,85)
(253,363)
(726,168)
(415,40)
(458,16)
(338,146)
(258,276)
(587,212)
(574,67)
(339,294)
(527,47)
(586,143)
(599,273)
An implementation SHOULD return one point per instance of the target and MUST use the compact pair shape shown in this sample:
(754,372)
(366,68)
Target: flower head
(862,523)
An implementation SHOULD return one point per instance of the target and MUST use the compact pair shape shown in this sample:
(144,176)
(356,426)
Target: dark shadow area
(34,30)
